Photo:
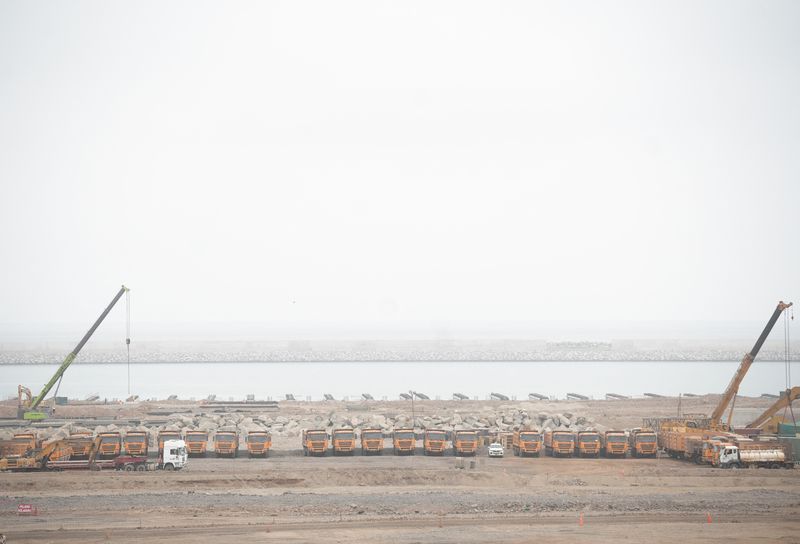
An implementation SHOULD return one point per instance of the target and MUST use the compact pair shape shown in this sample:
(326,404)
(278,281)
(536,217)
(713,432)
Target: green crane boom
(73,354)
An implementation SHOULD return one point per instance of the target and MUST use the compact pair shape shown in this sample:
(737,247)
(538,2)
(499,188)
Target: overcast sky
(399,164)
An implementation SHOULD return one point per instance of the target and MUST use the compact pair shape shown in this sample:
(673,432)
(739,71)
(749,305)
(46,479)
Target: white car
(496,450)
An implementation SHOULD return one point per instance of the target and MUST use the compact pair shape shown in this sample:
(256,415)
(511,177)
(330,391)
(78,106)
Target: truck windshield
(616,438)
(535,437)
(21,440)
(372,435)
(435,436)
(257,438)
(466,438)
(224,438)
(405,435)
(646,439)
(564,437)
(317,436)
(196,436)
(590,438)
(344,436)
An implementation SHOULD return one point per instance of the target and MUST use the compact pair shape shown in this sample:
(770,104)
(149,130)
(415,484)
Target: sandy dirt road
(289,498)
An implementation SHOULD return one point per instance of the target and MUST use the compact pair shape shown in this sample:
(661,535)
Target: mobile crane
(676,436)
(28,407)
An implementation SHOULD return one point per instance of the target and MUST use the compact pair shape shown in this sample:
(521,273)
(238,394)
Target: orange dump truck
(527,442)
(24,442)
(465,442)
(559,443)
(166,435)
(136,443)
(226,444)
(196,443)
(344,441)
(315,442)
(588,444)
(642,443)
(615,443)
(81,445)
(434,442)
(109,445)
(371,441)
(258,443)
(404,441)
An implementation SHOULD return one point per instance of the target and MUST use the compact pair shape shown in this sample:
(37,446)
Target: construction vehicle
(28,406)
(588,444)
(434,442)
(18,445)
(673,433)
(81,444)
(258,443)
(559,443)
(371,441)
(465,443)
(110,445)
(343,441)
(769,421)
(642,442)
(136,443)
(37,458)
(614,444)
(315,442)
(196,443)
(163,436)
(226,444)
(527,442)
(404,441)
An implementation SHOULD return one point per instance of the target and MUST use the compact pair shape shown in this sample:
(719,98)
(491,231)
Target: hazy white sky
(399,163)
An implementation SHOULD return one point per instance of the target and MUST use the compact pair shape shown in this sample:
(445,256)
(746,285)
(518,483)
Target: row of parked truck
(137,443)
(639,442)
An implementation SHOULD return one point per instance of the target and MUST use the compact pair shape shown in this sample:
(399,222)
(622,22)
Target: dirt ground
(291,498)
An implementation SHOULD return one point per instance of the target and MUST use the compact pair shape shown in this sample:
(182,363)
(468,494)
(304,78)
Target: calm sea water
(435,379)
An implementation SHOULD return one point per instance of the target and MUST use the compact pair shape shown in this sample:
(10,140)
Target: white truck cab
(729,457)
(175,456)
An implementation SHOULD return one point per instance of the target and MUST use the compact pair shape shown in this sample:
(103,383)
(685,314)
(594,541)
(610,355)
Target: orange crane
(744,366)
(768,420)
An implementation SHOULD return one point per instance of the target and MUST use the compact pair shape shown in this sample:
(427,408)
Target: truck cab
(258,443)
(465,442)
(559,443)
(135,443)
(527,442)
(371,441)
(174,455)
(435,442)
(615,444)
(167,435)
(643,443)
(404,441)
(344,441)
(588,444)
(315,442)
(110,445)
(196,443)
(226,444)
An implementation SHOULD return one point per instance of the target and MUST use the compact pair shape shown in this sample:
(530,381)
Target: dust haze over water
(534,171)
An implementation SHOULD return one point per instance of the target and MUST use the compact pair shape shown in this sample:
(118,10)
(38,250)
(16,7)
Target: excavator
(769,420)
(673,433)
(37,459)
(28,407)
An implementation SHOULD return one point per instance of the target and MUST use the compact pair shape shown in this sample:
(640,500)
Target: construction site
(461,470)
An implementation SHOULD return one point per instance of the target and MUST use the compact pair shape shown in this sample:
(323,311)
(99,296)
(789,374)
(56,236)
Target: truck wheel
(141,468)
(129,468)
(168,467)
